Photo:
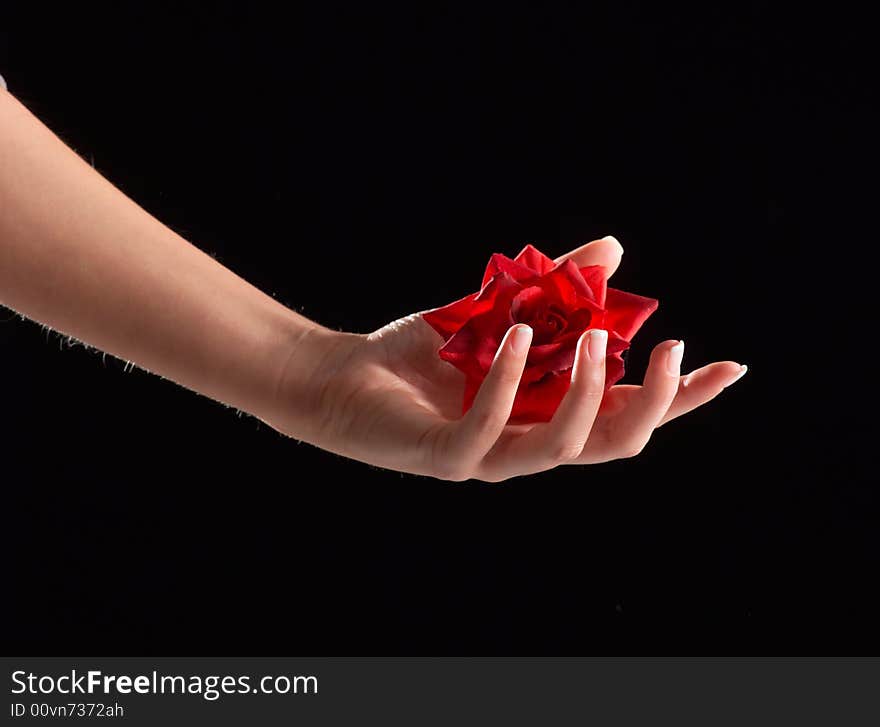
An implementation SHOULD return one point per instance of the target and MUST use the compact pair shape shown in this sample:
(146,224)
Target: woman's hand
(389,400)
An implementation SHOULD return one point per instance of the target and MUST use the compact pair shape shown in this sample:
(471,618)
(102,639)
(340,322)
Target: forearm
(79,256)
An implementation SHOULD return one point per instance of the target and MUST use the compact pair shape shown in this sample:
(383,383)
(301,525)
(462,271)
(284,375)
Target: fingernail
(673,362)
(597,343)
(742,372)
(522,338)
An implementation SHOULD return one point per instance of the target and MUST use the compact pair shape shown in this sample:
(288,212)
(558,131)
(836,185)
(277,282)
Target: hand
(141,292)
(389,400)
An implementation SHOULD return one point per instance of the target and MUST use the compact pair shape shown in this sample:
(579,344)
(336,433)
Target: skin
(79,256)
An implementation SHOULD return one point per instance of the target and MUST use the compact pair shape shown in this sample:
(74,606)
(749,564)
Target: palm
(396,397)
(416,376)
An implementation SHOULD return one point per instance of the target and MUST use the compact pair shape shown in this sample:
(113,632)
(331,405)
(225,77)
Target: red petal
(472,348)
(581,319)
(626,312)
(559,356)
(579,283)
(499,263)
(616,344)
(474,326)
(501,288)
(539,401)
(534,259)
(550,358)
(562,288)
(471,387)
(448,319)
(527,302)
(614,370)
(595,276)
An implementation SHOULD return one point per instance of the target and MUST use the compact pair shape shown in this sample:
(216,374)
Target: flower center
(546,319)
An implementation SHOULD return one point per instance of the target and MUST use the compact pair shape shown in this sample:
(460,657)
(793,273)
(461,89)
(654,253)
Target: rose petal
(578,282)
(580,320)
(527,301)
(550,358)
(471,387)
(558,295)
(448,319)
(535,260)
(499,263)
(616,344)
(596,277)
(559,355)
(539,401)
(472,347)
(614,370)
(626,312)
(566,285)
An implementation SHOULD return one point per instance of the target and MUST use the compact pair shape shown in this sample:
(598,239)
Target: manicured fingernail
(522,338)
(742,372)
(597,342)
(673,361)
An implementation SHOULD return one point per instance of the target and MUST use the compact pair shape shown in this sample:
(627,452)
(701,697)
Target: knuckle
(567,451)
(633,449)
(489,479)
(657,398)
(492,479)
(447,463)
(489,419)
(452,472)
(593,394)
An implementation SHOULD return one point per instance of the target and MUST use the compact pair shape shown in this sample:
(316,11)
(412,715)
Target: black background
(363,164)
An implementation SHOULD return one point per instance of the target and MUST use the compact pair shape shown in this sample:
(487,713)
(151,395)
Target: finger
(478,430)
(632,427)
(562,439)
(605,252)
(701,386)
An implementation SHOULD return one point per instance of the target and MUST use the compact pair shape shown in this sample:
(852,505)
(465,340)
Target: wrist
(309,357)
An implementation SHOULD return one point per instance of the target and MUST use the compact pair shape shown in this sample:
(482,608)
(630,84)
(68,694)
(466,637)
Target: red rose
(559,302)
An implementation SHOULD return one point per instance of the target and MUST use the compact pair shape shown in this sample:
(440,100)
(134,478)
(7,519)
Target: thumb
(605,252)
